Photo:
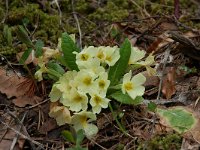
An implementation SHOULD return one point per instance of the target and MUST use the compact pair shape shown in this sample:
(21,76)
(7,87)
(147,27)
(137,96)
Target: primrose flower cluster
(83,94)
(86,88)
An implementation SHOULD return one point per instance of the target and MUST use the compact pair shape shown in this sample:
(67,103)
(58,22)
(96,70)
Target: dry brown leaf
(49,125)
(7,140)
(160,42)
(22,101)
(168,26)
(29,60)
(168,87)
(151,80)
(7,135)
(19,87)
(10,84)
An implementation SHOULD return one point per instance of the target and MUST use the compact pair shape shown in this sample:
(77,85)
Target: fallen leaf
(168,26)
(158,43)
(176,117)
(168,86)
(182,119)
(30,58)
(24,100)
(21,88)
(60,113)
(8,135)
(47,126)
(7,140)
(150,80)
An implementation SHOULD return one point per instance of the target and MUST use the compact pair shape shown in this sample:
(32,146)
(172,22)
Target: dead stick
(24,136)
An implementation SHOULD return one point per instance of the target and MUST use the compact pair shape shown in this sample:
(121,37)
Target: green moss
(42,20)
(112,11)
(163,142)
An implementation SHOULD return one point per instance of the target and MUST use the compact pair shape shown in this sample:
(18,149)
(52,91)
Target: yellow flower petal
(133,86)
(136,55)
(60,113)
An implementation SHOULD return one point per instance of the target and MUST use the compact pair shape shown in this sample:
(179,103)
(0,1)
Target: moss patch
(163,142)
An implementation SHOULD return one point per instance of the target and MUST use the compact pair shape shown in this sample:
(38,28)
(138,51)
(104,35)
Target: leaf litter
(147,34)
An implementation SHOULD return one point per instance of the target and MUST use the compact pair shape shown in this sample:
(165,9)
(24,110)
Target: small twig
(129,143)
(30,107)
(24,136)
(3,134)
(164,62)
(17,135)
(36,26)
(178,23)
(10,64)
(4,19)
(59,10)
(77,23)
(98,145)
(166,56)
(176,9)
(144,10)
(22,126)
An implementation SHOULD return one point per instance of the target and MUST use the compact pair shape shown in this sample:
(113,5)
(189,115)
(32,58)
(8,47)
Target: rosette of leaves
(95,77)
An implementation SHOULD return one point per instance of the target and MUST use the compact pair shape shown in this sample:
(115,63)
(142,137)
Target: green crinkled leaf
(61,60)
(79,138)
(178,118)
(53,74)
(152,106)
(23,36)
(56,67)
(7,34)
(25,55)
(38,46)
(126,99)
(80,135)
(77,148)
(68,47)
(117,71)
(68,136)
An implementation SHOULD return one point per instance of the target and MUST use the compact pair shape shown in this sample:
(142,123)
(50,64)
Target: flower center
(84,57)
(87,81)
(100,55)
(83,120)
(109,58)
(78,98)
(128,86)
(97,99)
(102,84)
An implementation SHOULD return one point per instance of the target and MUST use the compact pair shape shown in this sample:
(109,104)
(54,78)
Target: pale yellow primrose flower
(76,100)
(86,54)
(100,54)
(55,93)
(94,65)
(61,114)
(97,102)
(49,53)
(43,69)
(147,63)
(102,83)
(111,55)
(64,85)
(136,55)
(65,82)
(85,80)
(133,86)
(82,120)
